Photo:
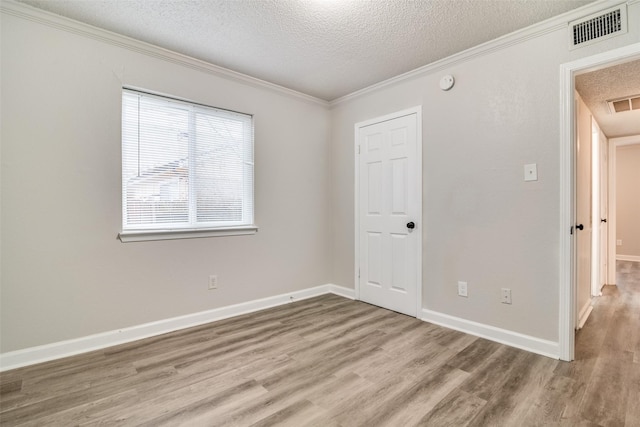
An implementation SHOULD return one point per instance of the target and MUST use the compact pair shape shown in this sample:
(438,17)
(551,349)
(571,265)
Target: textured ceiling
(324,48)
(597,87)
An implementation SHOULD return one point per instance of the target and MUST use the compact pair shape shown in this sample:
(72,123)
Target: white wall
(482,223)
(628,200)
(64,273)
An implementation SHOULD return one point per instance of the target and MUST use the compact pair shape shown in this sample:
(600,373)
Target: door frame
(611,220)
(567,282)
(417,110)
(596,208)
(604,208)
(604,166)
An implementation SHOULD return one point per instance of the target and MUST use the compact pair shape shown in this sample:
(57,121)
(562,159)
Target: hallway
(604,380)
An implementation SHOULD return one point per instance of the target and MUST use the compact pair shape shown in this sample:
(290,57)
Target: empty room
(320,212)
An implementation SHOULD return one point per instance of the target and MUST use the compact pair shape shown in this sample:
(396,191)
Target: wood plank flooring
(329,361)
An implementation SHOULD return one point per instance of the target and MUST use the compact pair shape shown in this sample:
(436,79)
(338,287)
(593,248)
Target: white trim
(611,219)
(356,212)
(418,112)
(625,140)
(566,297)
(502,336)
(566,277)
(40,16)
(47,352)
(595,207)
(516,37)
(342,291)
(584,314)
(391,116)
(632,258)
(31,13)
(419,190)
(127,236)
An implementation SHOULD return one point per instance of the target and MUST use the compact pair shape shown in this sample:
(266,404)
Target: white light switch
(531,172)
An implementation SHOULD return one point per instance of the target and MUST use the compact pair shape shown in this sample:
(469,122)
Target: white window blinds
(184,166)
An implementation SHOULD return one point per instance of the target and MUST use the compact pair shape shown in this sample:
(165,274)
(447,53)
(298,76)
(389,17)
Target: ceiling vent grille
(598,27)
(624,104)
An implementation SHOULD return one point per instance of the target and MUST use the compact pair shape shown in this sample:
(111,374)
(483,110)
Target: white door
(389,211)
(582,228)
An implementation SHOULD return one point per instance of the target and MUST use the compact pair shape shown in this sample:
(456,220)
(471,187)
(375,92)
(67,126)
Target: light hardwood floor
(329,361)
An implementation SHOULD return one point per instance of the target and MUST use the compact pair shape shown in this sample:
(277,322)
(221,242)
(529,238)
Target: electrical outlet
(619,242)
(506,296)
(213,282)
(462,289)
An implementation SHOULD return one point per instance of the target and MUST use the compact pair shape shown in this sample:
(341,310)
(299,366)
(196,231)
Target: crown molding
(625,140)
(508,40)
(27,12)
(23,11)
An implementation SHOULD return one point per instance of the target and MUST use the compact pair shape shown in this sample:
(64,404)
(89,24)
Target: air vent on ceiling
(624,104)
(598,27)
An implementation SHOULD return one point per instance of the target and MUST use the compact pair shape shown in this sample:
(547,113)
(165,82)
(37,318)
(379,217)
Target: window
(187,169)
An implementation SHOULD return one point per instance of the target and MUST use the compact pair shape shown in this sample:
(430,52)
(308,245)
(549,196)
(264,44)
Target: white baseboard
(58,350)
(342,291)
(503,336)
(633,258)
(584,314)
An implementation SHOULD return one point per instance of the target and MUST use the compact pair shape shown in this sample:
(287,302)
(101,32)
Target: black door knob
(580,226)
(603,220)
(411,225)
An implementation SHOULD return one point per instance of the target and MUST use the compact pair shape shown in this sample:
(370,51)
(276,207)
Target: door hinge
(358,149)
(358,273)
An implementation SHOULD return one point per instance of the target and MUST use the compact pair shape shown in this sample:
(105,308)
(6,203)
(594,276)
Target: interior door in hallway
(389,201)
(582,228)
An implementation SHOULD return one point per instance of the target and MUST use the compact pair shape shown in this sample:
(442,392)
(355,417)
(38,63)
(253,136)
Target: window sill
(149,235)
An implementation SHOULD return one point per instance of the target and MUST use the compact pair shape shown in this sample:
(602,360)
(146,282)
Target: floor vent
(624,104)
(597,27)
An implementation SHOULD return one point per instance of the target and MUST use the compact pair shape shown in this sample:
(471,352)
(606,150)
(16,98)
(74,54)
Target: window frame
(148,232)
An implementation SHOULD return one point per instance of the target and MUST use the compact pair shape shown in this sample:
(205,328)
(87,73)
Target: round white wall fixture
(447,82)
